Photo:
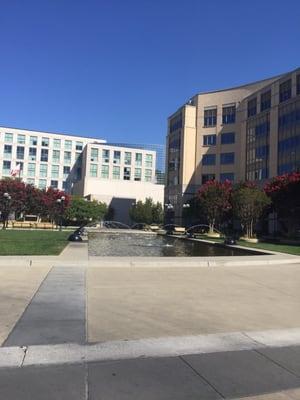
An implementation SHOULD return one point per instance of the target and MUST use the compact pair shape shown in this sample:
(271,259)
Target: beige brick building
(248,132)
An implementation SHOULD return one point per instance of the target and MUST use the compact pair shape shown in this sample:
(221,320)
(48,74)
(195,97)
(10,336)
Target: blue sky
(117,68)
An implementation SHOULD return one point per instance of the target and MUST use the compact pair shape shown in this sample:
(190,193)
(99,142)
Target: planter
(213,235)
(249,240)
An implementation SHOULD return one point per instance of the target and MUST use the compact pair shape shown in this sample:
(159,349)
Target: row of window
(42,183)
(226,176)
(44,154)
(44,141)
(116,173)
(226,138)
(285,93)
(225,158)
(228,116)
(117,157)
(31,169)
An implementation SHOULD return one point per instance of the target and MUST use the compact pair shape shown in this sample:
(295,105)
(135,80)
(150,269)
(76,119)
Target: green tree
(249,202)
(83,211)
(147,212)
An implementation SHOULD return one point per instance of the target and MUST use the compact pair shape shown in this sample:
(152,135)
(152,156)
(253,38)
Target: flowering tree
(52,206)
(248,202)
(284,191)
(19,198)
(214,198)
(12,198)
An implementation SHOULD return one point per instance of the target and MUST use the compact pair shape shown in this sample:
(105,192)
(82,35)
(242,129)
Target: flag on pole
(15,171)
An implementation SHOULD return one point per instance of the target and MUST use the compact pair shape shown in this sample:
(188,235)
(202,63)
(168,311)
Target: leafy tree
(214,200)
(248,202)
(284,191)
(147,212)
(83,211)
(12,198)
(50,207)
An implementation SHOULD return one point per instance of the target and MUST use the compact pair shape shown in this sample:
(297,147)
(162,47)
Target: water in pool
(149,245)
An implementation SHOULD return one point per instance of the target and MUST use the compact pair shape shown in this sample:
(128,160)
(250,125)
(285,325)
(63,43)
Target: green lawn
(18,243)
(281,248)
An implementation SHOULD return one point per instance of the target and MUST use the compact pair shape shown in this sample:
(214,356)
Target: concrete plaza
(72,327)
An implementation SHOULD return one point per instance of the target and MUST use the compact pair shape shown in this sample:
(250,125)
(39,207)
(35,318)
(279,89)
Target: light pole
(61,203)
(7,200)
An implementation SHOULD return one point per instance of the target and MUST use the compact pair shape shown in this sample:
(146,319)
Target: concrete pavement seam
(276,363)
(201,376)
(18,321)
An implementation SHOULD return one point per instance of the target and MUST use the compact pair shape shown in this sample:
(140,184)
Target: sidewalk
(265,374)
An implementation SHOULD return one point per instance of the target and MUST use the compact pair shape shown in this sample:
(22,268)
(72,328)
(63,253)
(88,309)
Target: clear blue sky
(117,68)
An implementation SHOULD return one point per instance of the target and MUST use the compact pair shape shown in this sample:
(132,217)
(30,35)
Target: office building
(250,132)
(82,166)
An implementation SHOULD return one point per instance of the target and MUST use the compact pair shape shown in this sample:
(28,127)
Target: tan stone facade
(232,134)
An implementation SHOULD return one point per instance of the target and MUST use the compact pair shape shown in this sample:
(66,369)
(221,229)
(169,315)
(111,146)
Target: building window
(54,184)
(42,184)
(68,144)
(31,181)
(56,143)
(45,142)
(209,159)
(138,174)
(252,107)
(65,186)
(55,156)
(6,167)
(127,173)
(289,137)
(105,156)
(78,173)
(105,171)
(78,158)
(55,171)
(175,123)
(33,140)
(94,154)
(228,115)
(79,146)
(127,160)
(257,141)
(43,170)
(116,172)
(285,90)
(148,175)
(149,161)
(44,155)
(32,153)
(21,139)
(209,140)
(8,137)
(227,138)
(208,177)
(20,152)
(210,117)
(7,151)
(227,158)
(298,84)
(265,101)
(31,169)
(93,170)
(117,157)
(67,157)
(227,176)
(138,159)
(66,172)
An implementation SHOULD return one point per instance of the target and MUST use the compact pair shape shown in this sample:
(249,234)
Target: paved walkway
(135,330)
(224,375)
